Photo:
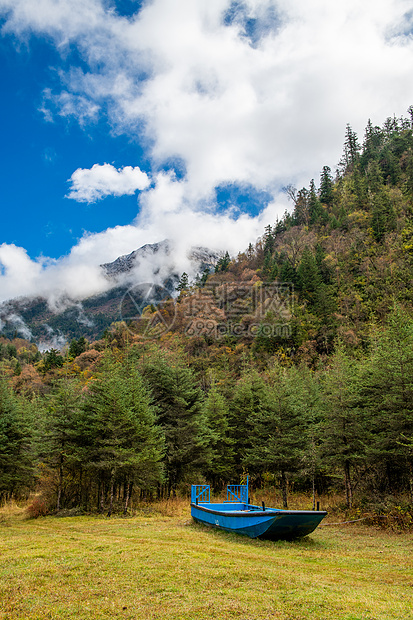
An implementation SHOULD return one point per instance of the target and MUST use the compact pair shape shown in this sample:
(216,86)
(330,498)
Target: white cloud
(52,341)
(22,276)
(49,16)
(89,185)
(19,325)
(257,92)
(164,213)
(67,105)
(18,271)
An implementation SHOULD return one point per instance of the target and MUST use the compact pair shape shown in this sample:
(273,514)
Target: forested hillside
(292,361)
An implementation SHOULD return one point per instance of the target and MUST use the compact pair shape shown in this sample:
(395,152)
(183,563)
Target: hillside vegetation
(292,361)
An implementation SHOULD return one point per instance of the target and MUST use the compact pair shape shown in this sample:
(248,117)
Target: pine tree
(123,442)
(204,277)
(326,186)
(51,359)
(344,430)
(374,176)
(309,276)
(178,402)
(373,140)
(351,154)
(306,400)
(183,284)
(249,397)
(278,438)
(223,263)
(301,212)
(77,347)
(59,438)
(387,394)
(382,215)
(288,273)
(315,209)
(269,241)
(15,459)
(269,267)
(221,465)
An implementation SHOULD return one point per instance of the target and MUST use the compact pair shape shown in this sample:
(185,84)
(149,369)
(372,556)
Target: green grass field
(157,566)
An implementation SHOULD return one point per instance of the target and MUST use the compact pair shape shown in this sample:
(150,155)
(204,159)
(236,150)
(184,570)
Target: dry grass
(176,507)
(12,510)
(159,565)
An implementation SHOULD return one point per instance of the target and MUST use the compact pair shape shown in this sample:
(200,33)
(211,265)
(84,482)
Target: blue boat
(237,515)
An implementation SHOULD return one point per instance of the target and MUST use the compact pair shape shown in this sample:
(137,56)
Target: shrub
(37,508)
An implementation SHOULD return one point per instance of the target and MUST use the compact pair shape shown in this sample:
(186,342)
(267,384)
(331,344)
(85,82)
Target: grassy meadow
(159,565)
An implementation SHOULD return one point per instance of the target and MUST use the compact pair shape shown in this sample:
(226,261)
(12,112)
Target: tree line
(144,425)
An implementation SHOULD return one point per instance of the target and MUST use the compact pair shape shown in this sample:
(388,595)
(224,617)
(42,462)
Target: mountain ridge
(34,319)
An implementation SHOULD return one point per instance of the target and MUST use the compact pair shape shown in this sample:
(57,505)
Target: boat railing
(200,493)
(237,493)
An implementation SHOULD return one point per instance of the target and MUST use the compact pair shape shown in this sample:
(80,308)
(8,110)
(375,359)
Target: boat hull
(252,521)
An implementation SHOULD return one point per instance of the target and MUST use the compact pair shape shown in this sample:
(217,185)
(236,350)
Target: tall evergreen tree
(269,241)
(278,438)
(306,399)
(183,284)
(58,445)
(373,139)
(382,215)
(223,263)
(351,154)
(387,394)
(15,459)
(315,209)
(301,208)
(344,430)
(249,398)
(178,402)
(374,176)
(122,441)
(309,276)
(221,466)
(77,347)
(326,186)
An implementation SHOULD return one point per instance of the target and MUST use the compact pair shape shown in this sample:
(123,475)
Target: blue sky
(38,158)
(127,122)
(48,152)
